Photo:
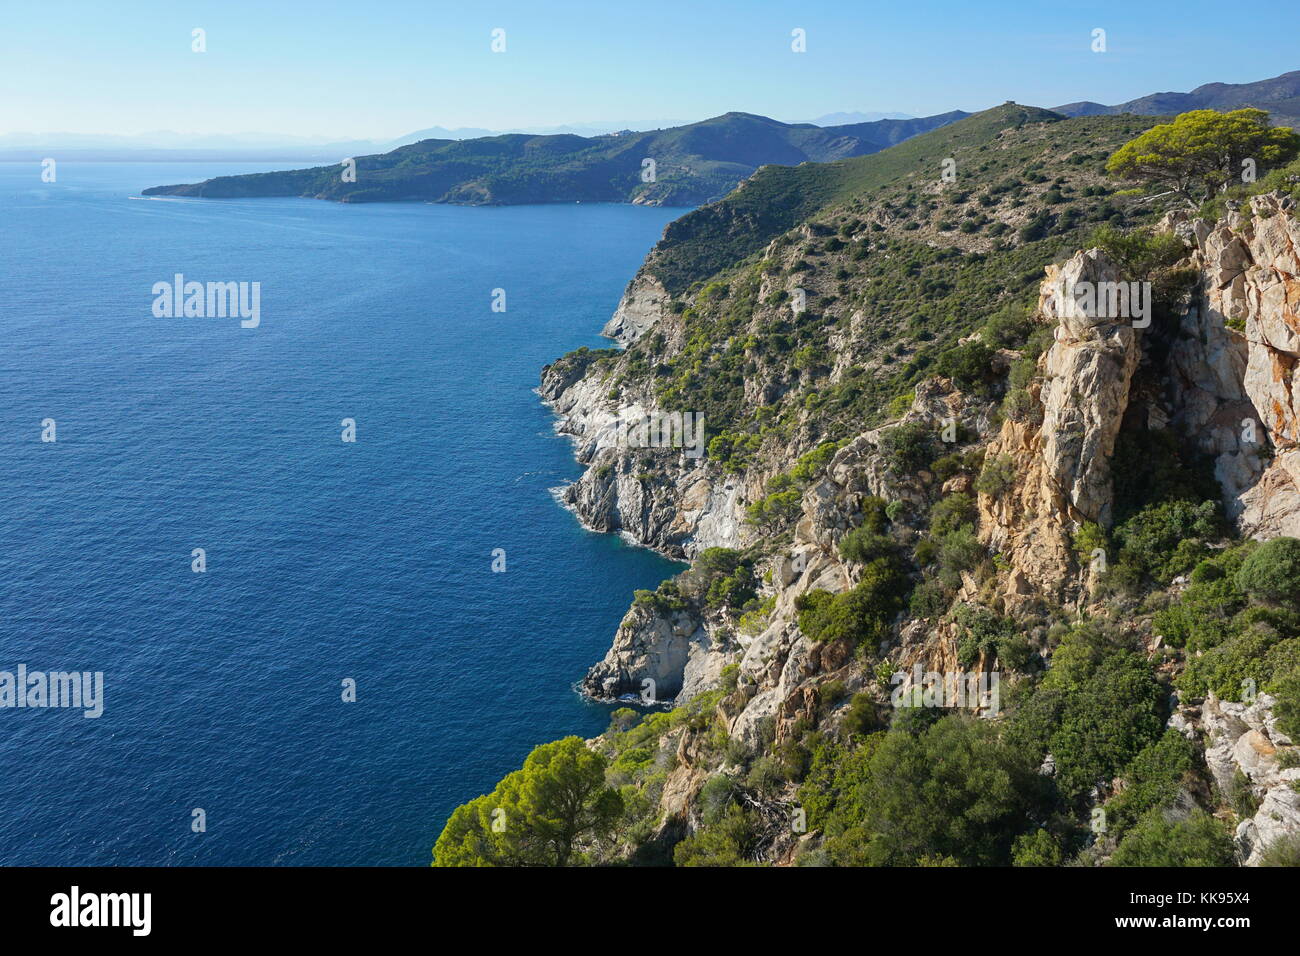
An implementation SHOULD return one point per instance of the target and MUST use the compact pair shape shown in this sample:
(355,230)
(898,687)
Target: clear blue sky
(383,68)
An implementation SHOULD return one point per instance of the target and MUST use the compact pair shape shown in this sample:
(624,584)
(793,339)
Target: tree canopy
(537,816)
(1204,151)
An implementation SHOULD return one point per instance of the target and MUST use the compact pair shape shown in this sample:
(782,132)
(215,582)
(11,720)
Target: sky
(383,68)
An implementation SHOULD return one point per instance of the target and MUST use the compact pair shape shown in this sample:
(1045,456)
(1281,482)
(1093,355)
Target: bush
(1204,614)
(731,841)
(861,717)
(1020,406)
(998,476)
(959,551)
(863,545)
(664,600)
(967,365)
(980,631)
(1168,539)
(811,464)
(1199,840)
(1272,572)
(1140,253)
(1088,539)
(907,446)
(776,509)
(1152,780)
(1282,852)
(1096,709)
(1243,661)
(862,614)
(1036,849)
(716,796)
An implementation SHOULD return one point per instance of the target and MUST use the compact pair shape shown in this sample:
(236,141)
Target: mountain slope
(776,198)
(1280,95)
(928,471)
(692,164)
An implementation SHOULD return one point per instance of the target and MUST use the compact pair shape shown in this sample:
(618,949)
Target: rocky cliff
(1216,368)
(1226,382)
(643,304)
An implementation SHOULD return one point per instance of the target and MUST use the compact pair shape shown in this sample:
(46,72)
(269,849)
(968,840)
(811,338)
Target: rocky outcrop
(644,303)
(679,506)
(1219,372)
(1062,466)
(1229,387)
(658,656)
(1252,274)
(1234,362)
(1243,740)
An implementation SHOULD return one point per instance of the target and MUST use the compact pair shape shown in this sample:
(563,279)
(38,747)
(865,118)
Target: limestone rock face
(643,304)
(1230,386)
(677,652)
(1062,466)
(1236,363)
(1244,739)
(679,508)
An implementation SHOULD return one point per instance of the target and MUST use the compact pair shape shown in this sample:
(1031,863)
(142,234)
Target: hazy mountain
(844,119)
(1279,95)
(692,164)
(170,146)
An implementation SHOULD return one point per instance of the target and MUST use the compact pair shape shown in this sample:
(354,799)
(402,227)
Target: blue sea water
(325,560)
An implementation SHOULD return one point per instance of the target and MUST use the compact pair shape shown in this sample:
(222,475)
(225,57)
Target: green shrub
(954,790)
(716,796)
(1282,852)
(664,600)
(1204,614)
(774,510)
(861,717)
(969,366)
(732,841)
(1152,780)
(1097,707)
(1020,406)
(900,404)
(862,614)
(1141,254)
(1199,840)
(862,545)
(951,513)
(1168,539)
(1036,849)
(998,476)
(907,446)
(981,631)
(1272,572)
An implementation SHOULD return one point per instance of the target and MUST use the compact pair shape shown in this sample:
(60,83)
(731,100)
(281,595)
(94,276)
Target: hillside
(975,579)
(693,164)
(776,198)
(1280,95)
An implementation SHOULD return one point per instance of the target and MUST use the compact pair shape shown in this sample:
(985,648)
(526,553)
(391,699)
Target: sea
(313,563)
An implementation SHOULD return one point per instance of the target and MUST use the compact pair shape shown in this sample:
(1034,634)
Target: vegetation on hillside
(908,277)
(691,164)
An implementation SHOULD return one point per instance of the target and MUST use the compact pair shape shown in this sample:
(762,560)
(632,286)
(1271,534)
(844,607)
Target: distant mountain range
(165,145)
(168,145)
(845,119)
(1279,95)
(692,164)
